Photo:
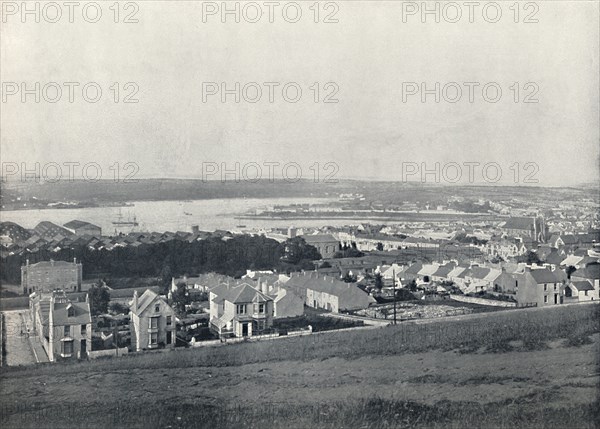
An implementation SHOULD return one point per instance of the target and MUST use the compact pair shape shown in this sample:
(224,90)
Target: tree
(181,298)
(165,276)
(412,285)
(349,278)
(99,299)
(117,308)
(378,281)
(348,252)
(297,250)
(496,259)
(530,258)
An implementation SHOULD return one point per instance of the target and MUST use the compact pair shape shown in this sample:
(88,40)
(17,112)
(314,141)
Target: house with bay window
(240,311)
(63,326)
(152,322)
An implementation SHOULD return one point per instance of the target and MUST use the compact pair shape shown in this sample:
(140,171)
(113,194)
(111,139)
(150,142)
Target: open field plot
(528,368)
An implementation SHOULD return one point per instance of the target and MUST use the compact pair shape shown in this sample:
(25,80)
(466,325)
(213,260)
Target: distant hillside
(108,192)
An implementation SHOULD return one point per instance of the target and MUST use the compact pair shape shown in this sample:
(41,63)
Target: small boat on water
(241,226)
(128,222)
(187,213)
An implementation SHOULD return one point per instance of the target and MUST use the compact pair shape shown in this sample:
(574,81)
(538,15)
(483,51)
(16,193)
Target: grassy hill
(529,368)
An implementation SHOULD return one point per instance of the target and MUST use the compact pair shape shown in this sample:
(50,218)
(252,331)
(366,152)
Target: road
(21,348)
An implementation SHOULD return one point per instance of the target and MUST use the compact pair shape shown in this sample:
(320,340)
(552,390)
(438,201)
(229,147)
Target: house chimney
(74,260)
(134,304)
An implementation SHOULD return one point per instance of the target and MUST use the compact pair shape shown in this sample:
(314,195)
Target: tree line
(174,258)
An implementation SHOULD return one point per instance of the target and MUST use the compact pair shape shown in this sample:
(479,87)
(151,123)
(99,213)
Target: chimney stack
(134,304)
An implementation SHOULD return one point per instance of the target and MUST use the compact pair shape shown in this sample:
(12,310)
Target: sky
(373,62)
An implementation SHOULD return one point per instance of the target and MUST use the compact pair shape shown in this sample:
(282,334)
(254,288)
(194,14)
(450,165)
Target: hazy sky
(370,132)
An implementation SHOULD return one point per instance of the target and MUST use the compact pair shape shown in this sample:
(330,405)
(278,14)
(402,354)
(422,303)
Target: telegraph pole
(116,337)
(394,279)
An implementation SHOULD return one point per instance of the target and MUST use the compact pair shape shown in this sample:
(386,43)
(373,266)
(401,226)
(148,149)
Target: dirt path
(18,346)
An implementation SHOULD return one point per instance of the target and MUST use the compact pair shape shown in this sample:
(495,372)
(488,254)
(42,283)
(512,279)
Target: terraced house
(328,293)
(240,311)
(64,327)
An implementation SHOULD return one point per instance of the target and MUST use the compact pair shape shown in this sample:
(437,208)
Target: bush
(579,340)
(117,308)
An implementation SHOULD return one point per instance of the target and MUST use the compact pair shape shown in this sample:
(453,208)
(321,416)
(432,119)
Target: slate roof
(414,268)
(81,311)
(590,272)
(444,270)
(524,223)
(128,292)
(14,231)
(543,276)
(242,293)
(81,314)
(50,264)
(47,229)
(583,285)
(349,295)
(74,224)
(319,238)
(146,299)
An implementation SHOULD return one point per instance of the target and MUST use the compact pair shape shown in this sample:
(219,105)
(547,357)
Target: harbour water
(209,215)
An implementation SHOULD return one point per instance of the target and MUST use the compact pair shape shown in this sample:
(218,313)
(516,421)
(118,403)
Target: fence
(273,336)
(94,354)
(482,301)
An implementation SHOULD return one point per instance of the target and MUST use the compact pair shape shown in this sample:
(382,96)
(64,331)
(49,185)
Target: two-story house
(326,244)
(64,327)
(590,274)
(152,322)
(240,311)
(538,286)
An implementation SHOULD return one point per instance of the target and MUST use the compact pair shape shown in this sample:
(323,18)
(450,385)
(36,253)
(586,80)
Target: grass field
(525,368)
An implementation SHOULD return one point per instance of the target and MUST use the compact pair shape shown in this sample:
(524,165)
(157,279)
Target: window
(67,331)
(545,287)
(70,311)
(554,286)
(169,320)
(241,309)
(153,339)
(169,337)
(67,347)
(585,293)
(83,329)
(154,323)
(545,299)
(261,308)
(156,308)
